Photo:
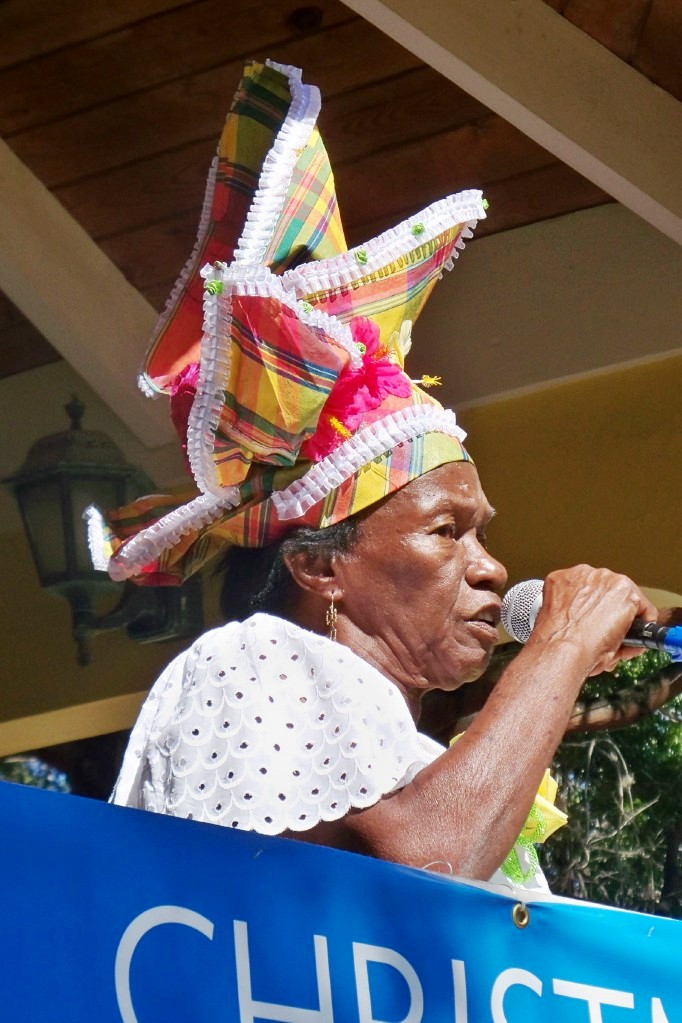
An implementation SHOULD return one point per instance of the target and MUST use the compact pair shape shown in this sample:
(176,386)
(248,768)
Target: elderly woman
(355,525)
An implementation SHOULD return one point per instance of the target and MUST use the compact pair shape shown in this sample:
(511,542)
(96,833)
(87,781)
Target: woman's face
(419,591)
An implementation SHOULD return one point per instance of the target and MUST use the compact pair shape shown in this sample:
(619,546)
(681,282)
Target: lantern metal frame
(71,470)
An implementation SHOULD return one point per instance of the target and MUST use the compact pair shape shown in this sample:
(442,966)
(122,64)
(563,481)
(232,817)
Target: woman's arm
(469,806)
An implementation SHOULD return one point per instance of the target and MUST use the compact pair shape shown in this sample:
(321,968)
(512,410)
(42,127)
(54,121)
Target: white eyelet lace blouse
(264,726)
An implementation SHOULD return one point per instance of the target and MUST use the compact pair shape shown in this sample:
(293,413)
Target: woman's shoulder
(266,657)
(268,643)
(259,629)
(276,728)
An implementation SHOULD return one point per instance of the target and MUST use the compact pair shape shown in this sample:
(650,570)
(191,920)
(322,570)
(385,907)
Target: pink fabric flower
(183,390)
(357,390)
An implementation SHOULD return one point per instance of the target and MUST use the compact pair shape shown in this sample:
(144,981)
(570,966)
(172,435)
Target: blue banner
(117,915)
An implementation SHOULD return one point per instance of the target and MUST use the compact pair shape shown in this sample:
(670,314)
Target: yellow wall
(582,471)
(39,668)
(587,471)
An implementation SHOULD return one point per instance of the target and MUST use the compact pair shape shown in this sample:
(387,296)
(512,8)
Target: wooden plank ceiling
(117,107)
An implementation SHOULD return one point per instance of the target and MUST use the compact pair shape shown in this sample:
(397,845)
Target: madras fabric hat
(282,351)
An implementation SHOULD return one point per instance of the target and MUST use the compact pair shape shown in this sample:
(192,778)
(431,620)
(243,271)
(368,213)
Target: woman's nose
(484,569)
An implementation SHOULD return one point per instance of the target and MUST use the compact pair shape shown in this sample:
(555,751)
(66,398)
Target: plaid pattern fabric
(267,371)
(395,293)
(309,225)
(255,524)
(281,373)
(259,107)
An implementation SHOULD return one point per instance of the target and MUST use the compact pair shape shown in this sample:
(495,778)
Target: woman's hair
(257,578)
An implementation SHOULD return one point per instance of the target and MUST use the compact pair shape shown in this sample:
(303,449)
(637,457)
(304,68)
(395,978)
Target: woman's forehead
(453,487)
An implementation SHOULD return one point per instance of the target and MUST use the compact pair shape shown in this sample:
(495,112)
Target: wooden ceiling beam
(558,86)
(67,22)
(24,348)
(155,51)
(75,296)
(175,113)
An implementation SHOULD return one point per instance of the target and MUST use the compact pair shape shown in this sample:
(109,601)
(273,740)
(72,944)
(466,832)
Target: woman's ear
(314,573)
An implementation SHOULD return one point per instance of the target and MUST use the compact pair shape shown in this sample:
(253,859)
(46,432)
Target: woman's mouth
(485,623)
(485,628)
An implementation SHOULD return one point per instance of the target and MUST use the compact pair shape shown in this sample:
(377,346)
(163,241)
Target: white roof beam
(75,296)
(558,86)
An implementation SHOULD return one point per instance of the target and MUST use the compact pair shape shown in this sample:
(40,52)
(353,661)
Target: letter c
(133,934)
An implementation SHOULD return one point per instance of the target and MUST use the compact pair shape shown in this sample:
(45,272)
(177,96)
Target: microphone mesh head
(520,607)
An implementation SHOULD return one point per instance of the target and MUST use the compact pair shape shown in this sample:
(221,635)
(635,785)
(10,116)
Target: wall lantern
(62,475)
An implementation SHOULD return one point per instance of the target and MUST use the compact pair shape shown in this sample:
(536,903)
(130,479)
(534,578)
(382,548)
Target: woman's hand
(469,806)
(591,608)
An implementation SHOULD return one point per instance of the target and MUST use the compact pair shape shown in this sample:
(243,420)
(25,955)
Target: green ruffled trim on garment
(533,831)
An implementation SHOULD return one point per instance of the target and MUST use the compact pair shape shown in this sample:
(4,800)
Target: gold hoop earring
(330,618)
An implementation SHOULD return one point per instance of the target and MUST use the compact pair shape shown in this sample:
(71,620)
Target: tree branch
(628,705)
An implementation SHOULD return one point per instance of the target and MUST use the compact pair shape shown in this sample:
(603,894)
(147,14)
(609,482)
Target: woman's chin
(464,673)
(477,665)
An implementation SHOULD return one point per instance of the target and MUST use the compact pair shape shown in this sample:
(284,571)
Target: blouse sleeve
(276,729)
(138,784)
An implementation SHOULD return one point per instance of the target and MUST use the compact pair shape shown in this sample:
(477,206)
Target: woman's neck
(375,650)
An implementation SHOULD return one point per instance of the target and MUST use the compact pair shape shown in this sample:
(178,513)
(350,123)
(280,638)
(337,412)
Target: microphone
(521,605)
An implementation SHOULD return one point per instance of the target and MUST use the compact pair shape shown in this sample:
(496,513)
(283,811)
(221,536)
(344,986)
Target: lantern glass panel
(42,511)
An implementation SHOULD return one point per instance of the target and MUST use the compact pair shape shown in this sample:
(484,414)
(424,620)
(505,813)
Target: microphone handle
(656,637)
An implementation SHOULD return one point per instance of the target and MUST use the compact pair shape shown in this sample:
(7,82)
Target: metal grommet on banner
(521,915)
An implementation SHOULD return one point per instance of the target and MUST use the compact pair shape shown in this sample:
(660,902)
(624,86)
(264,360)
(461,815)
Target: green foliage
(29,770)
(621,790)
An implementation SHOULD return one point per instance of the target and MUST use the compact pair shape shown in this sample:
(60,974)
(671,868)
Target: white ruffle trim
(278,167)
(265,726)
(360,449)
(94,524)
(214,370)
(247,276)
(143,381)
(214,374)
(395,244)
(146,547)
(366,445)
(267,202)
